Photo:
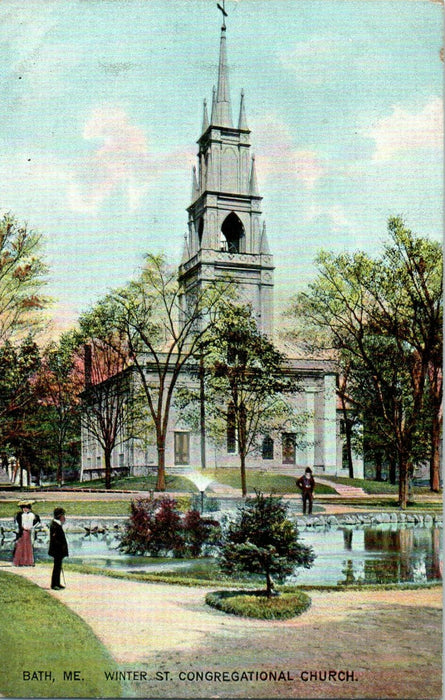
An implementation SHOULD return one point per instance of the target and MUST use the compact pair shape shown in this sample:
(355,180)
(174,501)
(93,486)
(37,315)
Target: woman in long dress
(26,521)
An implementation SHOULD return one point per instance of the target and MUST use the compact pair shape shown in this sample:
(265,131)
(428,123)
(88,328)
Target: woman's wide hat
(25,503)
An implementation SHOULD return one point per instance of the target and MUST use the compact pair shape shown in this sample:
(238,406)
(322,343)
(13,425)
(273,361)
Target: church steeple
(242,121)
(225,227)
(222,114)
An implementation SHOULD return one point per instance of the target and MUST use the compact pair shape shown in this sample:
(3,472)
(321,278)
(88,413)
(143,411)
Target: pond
(385,553)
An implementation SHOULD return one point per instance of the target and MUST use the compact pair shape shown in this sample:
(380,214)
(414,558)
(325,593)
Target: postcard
(220,348)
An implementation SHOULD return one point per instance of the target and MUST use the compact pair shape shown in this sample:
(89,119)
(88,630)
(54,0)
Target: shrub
(157,527)
(262,541)
(258,604)
(198,531)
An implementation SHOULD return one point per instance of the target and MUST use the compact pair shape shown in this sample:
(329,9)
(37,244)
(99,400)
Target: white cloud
(119,163)
(280,157)
(404,131)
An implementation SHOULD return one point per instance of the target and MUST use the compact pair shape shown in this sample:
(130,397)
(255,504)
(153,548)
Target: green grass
(138,483)
(263,481)
(370,486)
(389,503)
(45,509)
(40,633)
(256,604)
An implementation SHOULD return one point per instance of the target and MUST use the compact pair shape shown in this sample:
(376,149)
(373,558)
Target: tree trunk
(107,469)
(202,413)
(160,483)
(243,474)
(348,436)
(269,585)
(392,470)
(403,482)
(378,466)
(435,454)
(59,467)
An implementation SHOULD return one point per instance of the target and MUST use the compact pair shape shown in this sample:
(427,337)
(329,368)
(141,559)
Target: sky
(102,106)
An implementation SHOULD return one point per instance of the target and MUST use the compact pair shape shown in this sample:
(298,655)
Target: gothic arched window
(200,230)
(232,234)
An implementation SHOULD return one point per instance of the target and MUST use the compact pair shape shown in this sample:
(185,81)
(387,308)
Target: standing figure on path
(26,521)
(307,484)
(58,547)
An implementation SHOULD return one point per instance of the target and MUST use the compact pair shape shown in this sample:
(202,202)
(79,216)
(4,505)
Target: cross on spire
(223,11)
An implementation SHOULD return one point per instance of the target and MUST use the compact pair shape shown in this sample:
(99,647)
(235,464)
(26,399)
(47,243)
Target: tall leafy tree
(107,406)
(163,329)
(19,365)
(22,278)
(60,382)
(383,317)
(246,385)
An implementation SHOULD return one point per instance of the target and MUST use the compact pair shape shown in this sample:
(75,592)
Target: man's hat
(25,504)
(58,512)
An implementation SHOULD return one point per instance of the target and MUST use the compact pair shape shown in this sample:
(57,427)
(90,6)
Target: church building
(227,236)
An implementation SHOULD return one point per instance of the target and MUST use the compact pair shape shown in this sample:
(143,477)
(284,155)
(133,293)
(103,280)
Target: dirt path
(390,639)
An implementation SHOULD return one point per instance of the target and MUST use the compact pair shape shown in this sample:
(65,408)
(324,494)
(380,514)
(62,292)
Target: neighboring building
(226,235)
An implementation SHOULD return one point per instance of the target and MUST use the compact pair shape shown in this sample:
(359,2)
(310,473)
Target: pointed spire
(253,185)
(242,122)
(264,244)
(222,115)
(195,188)
(205,118)
(213,115)
(185,250)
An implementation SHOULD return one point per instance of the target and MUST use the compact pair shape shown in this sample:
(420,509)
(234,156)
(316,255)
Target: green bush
(257,604)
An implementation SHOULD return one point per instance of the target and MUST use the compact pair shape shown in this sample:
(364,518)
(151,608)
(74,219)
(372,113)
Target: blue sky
(102,106)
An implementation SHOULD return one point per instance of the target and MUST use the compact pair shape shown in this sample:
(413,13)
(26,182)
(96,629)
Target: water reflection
(385,553)
(380,554)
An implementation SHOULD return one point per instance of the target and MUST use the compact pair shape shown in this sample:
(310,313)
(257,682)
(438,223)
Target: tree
(60,382)
(246,382)
(383,317)
(162,334)
(18,400)
(22,277)
(108,404)
(263,541)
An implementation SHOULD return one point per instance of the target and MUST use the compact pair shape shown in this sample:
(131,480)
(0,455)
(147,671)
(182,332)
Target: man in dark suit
(307,484)
(58,547)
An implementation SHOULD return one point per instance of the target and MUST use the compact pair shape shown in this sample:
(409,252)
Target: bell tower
(226,234)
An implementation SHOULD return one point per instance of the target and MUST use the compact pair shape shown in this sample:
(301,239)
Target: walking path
(137,619)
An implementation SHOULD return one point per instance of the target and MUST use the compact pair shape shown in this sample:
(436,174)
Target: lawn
(266,482)
(370,486)
(138,483)
(40,634)
(73,508)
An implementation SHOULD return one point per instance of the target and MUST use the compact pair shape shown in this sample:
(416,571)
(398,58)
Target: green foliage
(49,636)
(22,276)
(382,318)
(257,604)
(262,541)
(245,384)
(157,527)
